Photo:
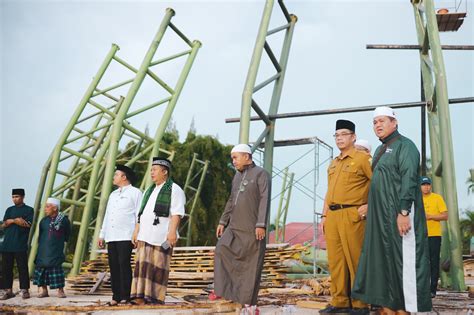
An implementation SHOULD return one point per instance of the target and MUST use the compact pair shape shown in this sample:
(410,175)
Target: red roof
(299,233)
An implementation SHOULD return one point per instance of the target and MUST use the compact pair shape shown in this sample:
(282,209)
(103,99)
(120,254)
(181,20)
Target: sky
(50,50)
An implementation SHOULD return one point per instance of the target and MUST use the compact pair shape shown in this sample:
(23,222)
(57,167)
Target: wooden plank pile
(191,270)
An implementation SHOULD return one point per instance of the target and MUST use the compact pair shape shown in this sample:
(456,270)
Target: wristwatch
(404,212)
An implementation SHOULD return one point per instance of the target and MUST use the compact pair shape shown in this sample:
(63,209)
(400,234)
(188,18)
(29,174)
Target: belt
(338,207)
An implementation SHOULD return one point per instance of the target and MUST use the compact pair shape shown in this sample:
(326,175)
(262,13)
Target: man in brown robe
(240,250)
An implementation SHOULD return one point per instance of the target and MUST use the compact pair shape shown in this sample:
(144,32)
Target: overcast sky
(50,50)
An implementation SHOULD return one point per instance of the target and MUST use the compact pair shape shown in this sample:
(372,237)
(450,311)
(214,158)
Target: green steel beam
(433,125)
(277,90)
(280,206)
(287,205)
(444,136)
(115,136)
(154,148)
(172,103)
(247,95)
(197,193)
(252,73)
(55,157)
(283,206)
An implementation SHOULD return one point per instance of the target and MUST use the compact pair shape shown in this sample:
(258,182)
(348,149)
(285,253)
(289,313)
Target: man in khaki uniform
(344,216)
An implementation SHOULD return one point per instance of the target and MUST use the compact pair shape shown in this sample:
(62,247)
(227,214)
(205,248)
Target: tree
(467,230)
(470,182)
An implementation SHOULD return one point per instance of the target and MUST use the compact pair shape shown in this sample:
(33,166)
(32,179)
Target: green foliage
(467,230)
(217,184)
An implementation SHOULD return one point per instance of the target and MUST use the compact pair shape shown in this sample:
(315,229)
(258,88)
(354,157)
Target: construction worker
(344,216)
(436,211)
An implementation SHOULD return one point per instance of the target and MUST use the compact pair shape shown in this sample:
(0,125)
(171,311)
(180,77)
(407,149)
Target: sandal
(43,295)
(137,302)
(112,303)
(7,295)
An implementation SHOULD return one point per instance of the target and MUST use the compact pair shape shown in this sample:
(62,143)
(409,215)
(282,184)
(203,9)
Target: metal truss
(198,169)
(91,152)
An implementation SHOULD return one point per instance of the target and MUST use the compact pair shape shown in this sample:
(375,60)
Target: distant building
(300,233)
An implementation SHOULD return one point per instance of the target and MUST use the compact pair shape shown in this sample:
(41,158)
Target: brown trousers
(344,232)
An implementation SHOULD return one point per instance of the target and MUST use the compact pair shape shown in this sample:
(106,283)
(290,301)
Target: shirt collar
(123,188)
(393,135)
(249,166)
(349,153)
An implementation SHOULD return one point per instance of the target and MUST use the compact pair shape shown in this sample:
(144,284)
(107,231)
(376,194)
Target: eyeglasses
(338,135)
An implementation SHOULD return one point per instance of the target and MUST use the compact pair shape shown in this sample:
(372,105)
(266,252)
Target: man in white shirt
(155,235)
(117,230)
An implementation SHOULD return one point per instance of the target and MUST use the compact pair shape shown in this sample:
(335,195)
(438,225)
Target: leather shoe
(360,311)
(335,310)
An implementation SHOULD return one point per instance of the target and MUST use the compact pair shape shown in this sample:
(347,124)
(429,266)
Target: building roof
(300,233)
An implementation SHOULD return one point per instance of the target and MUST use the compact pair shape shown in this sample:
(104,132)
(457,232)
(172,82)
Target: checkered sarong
(52,276)
(150,277)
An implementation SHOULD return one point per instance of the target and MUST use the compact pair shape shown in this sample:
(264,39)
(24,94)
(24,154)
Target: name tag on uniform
(389,150)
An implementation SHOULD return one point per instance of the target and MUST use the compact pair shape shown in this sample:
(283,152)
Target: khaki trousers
(344,232)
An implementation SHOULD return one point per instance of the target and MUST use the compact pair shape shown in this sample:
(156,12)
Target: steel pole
(196,197)
(275,101)
(433,123)
(280,206)
(449,175)
(287,205)
(252,73)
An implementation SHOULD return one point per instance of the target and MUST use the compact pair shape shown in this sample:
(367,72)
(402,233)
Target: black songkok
(345,124)
(128,172)
(18,191)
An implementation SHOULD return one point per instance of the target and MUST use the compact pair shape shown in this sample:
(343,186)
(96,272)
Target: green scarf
(162,202)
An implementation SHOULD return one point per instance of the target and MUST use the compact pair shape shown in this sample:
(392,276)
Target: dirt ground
(444,303)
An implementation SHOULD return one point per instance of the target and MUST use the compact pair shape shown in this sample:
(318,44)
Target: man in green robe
(394,268)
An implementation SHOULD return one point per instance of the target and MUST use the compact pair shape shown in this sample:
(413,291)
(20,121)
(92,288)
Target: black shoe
(360,311)
(334,310)
(433,295)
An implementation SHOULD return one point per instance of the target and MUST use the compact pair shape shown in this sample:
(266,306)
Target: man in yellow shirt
(436,211)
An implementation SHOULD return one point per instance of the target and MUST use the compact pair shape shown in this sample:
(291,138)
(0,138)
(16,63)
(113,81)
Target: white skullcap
(364,143)
(384,111)
(243,148)
(54,201)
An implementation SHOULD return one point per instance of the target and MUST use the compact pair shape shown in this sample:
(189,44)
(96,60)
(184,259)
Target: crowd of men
(382,230)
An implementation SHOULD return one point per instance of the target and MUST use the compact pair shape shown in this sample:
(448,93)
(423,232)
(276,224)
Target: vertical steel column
(433,123)
(252,74)
(193,206)
(287,205)
(280,207)
(275,102)
(449,174)
(431,38)
(57,150)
